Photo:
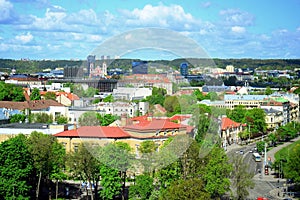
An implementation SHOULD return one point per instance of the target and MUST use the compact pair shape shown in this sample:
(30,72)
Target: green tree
(4,93)
(84,165)
(292,167)
(106,119)
(203,124)
(89,118)
(50,95)
(171,104)
(157,97)
(16,93)
(111,182)
(237,114)
(199,95)
(35,94)
(16,168)
(109,98)
(241,178)
(90,92)
(16,118)
(260,145)
(147,146)
(193,188)
(272,138)
(78,90)
(142,188)
(268,90)
(217,173)
(147,149)
(46,153)
(10,92)
(57,171)
(117,158)
(213,96)
(192,161)
(61,119)
(170,173)
(187,104)
(256,119)
(42,118)
(244,135)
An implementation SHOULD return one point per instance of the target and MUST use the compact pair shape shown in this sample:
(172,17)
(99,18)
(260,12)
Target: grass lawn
(284,152)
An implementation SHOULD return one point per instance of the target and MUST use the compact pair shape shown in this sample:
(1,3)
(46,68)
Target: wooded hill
(32,66)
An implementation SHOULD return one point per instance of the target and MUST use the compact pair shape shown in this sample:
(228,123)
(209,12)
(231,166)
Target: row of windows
(116,110)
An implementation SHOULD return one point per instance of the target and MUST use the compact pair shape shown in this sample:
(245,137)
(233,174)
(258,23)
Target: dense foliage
(10,92)
(16,168)
(32,66)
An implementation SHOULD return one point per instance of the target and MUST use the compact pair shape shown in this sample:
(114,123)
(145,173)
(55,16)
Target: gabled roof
(95,132)
(42,104)
(33,105)
(179,117)
(68,95)
(228,123)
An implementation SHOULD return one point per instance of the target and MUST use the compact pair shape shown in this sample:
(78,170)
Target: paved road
(265,185)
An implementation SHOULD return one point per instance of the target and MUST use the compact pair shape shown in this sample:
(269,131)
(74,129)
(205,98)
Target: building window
(64,144)
(75,147)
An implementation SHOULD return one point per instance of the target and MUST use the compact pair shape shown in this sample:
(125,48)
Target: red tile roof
(69,95)
(95,132)
(228,123)
(154,125)
(179,117)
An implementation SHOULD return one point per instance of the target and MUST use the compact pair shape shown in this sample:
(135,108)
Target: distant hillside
(33,66)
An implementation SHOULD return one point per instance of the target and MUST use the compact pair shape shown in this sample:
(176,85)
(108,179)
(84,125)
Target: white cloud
(94,38)
(19,48)
(52,21)
(5,10)
(161,15)
(238,29)
(24,38)
(235,17)
(84,17)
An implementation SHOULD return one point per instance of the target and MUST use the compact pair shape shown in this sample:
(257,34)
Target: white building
(127,93)
(118,108)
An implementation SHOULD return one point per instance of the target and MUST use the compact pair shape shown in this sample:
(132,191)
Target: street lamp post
(249,129)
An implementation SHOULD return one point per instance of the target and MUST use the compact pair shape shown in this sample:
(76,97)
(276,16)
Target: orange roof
(69,95)
(154,125)
(95,132)
(228,123)
(179,117)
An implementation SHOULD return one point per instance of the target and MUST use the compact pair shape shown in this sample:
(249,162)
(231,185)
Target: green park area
(287,162)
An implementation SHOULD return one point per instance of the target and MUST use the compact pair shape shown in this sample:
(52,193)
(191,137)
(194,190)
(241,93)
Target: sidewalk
(272,152)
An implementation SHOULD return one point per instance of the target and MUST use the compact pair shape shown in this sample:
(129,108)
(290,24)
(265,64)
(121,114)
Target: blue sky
(73,29)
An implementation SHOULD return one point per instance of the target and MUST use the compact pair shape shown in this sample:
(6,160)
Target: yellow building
(134,131)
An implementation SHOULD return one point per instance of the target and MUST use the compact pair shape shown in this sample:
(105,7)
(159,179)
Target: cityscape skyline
(43,29)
